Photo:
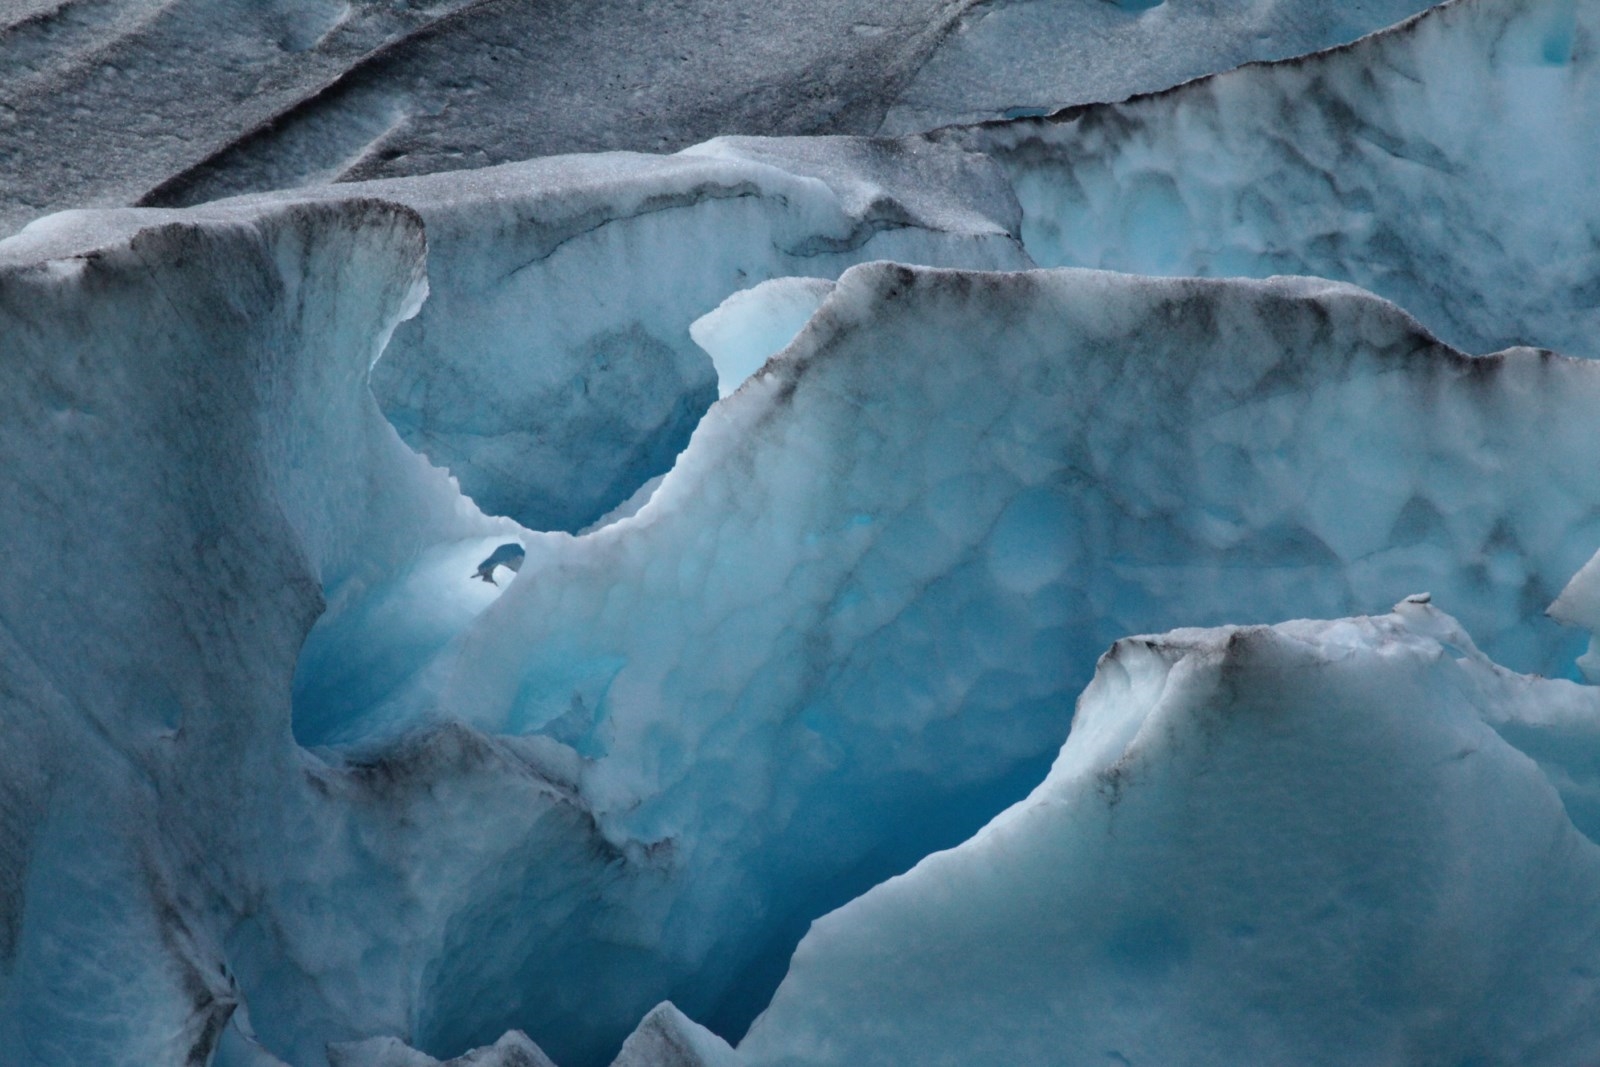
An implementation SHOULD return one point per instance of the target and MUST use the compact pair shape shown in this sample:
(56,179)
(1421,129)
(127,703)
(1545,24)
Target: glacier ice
(843,630)
(907,497)
(168,102)
(551,369)
(1447,164)
(755,324)
(1288,844)
(281,785)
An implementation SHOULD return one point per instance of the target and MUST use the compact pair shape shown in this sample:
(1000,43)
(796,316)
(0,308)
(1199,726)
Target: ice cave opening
(376,635)
(379,631)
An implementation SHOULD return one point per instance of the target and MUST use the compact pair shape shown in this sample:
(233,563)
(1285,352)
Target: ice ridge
(1428,163)
(714,781)
(1258,844)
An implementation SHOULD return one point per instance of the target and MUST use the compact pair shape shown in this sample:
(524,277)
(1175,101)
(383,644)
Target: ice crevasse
(685,802)
(284,786)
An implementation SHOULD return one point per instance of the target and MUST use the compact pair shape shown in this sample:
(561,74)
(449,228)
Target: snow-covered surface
(1295,844)
(1451,165)
(166,102)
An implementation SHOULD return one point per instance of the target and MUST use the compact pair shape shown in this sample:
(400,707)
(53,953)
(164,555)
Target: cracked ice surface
(1448,164)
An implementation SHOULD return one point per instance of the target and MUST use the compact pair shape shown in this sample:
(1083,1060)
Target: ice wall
(1295,844)
(551,370)
(848,626)
(193,455)
(188,455)
(192,427)
(1448,164)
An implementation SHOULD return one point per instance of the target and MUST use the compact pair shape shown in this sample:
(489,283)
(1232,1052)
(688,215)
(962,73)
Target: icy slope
(188,452)
(1058,52)
(166,102)
(551,369)
(1296,844)
(1449,165)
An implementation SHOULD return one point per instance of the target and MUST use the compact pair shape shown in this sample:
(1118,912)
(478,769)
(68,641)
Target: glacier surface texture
(829,390)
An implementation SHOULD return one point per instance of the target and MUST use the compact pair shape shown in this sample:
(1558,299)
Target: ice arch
(551,369)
